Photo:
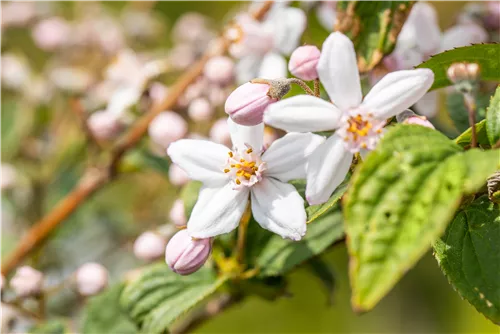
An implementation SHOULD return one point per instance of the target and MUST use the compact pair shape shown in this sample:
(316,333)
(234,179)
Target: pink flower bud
(217,95)
(177,176)
(409,117)
(167,127)
(9,176)
(158,92)
(149,246)
(51,33)
(185,255)
(219,70)
(91,278)
(219,132)
(200,110)
(247,103)
(178,214)
(419,120)
(104,125)
(27,281)
(303,62)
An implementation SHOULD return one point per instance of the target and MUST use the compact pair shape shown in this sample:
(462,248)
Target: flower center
(245,167)
(360,130)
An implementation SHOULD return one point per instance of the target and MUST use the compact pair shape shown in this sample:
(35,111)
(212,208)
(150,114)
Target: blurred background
(63,64)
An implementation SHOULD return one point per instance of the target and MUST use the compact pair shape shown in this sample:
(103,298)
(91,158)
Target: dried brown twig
(96,177)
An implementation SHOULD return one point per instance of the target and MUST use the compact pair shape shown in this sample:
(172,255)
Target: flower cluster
(248,172)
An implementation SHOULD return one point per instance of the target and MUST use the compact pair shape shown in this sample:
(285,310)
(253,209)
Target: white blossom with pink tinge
(261,45)
(358,122)
(149,246)
(177,213)
(91,278)
(166,128)
(230,177)
(26,281)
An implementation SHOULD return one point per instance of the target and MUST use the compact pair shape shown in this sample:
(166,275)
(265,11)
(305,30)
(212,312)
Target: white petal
(217,211)
(338,71)
(398,91)
(421,30)
(242,135)
(326,14)
(463,35)
(326,169)
(202,160)
(428,104)
(286,158)
(278,207)
(247,68)
(302,113)
(273,66)
(289,24)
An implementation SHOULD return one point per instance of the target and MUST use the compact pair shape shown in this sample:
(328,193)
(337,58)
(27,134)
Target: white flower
(230,177)
(260,45)
(129,76)
(358,122)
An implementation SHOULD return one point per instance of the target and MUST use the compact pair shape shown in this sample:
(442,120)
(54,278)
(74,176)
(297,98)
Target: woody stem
(316,88)
(303,85)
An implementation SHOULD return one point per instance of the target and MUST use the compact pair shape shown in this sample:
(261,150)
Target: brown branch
(95,178)
(75,105)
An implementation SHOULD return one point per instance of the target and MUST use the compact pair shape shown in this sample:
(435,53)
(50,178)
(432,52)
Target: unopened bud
(51,33)
(27,282)
(149,246)
(219,132)
(166,128)
(219,70)
(200,110)
(247,103)
(91,278)
(178,213)
(463,75)
(9,176)
(409,117)
(104,125)
(177,176)
(303,62)
(185,255)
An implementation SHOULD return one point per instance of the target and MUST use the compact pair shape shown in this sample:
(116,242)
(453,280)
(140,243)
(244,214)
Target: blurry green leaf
(400,201)
(281,255)
(373,26)
(103,314)
(16,123)
(189,195)
(466,137)
(325,274)
(469,255)
(486,55)
(269,288)
(458,111)
(493,118)
(160,296)
(55,326)
(140,159)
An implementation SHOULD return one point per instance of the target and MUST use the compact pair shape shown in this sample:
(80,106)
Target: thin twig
(471,108)
(303,85)
(317,91)
(242,234)
(95,178)
(75,105)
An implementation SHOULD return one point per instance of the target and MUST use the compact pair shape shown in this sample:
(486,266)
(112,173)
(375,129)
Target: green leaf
(189,195)
(160,296)
(55,326)
(469,255)
(373,26)
(486,55)
(465,138)
(280,255)
(458,111)
(493,118)
(103,314)
(400,201)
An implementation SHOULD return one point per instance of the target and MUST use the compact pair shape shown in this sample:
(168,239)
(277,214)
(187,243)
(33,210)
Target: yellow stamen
(238,182)
(226,170)
(230,154)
